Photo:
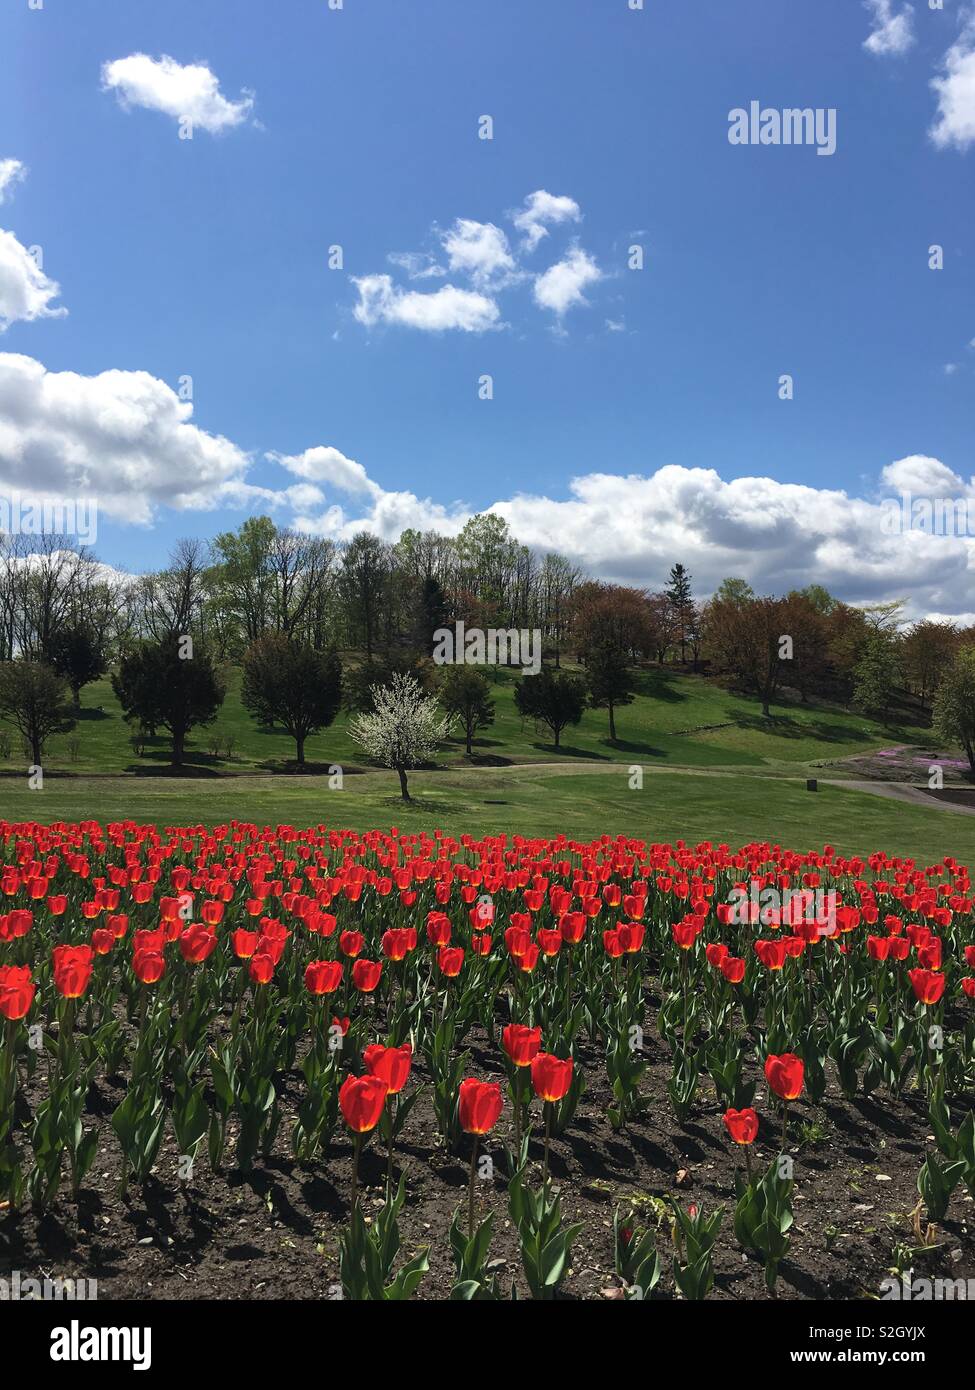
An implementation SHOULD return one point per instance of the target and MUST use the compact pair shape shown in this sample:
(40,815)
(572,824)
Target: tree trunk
(612,723)
(178,741)
(300,749)
(557,733)
(470,739)
(404,789)
(35,749)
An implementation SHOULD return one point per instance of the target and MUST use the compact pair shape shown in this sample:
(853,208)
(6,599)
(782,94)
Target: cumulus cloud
(560,288)
(480,253)
(779,536)
(187,91)
(480,250)
(893,31)
(324,464)
(380,301)
(955,90)
(25,291)
(539,211)
(11,172)
(124,438)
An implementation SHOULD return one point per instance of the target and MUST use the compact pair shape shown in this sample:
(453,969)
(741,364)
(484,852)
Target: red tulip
(323,976)
(197,942)
(351,942)
(928,985)
(390,1064)
(742,1125)
(261,968)
(72,969)
(16,991)
(365,975)
(479,1104)
(521,1043)
(450,959)
(244,943)
(148,966)
(362,1099)
(551,1076)
(733,969)
(784,1075)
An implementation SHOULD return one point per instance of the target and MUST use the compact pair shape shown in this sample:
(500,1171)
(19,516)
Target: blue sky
(209,256)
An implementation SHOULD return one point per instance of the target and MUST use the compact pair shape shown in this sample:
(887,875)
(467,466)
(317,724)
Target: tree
(360,682)
(610,681)
(928,649)
(161,688)
(610,614)
(875,674)
(404,729)
(78,656)
(364,585)
(289,683)
(466,695)
(37,701)
(746,636)
(555,698)
(954,704)
(679,595)
(735,590)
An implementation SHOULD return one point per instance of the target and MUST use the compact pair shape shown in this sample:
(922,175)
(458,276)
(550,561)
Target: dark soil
(273,1233)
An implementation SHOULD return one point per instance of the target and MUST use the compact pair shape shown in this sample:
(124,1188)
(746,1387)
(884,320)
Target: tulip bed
(274,1061)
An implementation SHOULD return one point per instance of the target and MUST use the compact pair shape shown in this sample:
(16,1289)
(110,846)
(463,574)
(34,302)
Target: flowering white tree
(405,728)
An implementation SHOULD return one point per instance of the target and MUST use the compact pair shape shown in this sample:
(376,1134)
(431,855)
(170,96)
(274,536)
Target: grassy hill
(714,769)
(676,719)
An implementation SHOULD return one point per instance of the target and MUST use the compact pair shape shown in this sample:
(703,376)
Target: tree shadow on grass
(623,745)
(658,684)
(784,726)
(567,750)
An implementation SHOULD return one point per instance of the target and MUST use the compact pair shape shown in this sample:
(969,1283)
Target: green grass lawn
(677,719)
(582,802)
(733,776)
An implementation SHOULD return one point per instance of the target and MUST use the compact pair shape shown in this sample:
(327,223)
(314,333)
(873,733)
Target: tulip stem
(470,1190)
(389,1146)
(548,1137)
(516,1086)
(785,1122)
(355,1170)
(748,1161)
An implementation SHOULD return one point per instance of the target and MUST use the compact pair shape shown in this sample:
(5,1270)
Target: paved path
(900,791)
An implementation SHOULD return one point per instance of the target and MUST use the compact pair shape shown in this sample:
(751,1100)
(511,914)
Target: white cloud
(955,123)
(184,91)
(417,264)
(893,32)
(539,211)
(560,288)
(380,301)
(324,464)
(480,250)
(11,172)
(779,536)
(127,440)
(25,291)
(124,438)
